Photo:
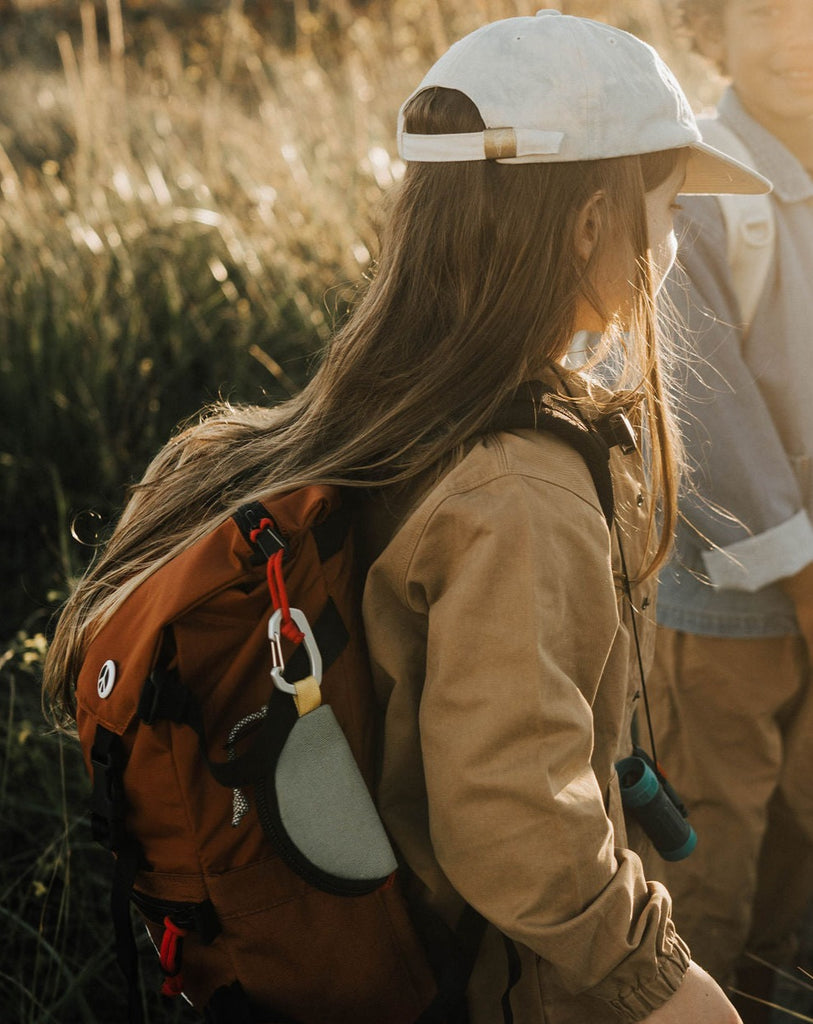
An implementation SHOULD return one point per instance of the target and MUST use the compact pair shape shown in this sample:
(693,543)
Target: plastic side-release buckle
(164,696)
(617,430)
(170,957)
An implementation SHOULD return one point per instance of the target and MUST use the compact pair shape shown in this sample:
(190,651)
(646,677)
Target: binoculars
(655,805)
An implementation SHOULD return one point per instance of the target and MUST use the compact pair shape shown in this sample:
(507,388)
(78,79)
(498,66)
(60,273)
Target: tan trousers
(733,724)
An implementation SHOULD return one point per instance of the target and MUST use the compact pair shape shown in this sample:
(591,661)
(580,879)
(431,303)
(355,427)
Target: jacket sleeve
(745,502)
(515,580)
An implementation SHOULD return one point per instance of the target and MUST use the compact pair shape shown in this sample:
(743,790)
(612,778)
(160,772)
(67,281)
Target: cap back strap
(491,144)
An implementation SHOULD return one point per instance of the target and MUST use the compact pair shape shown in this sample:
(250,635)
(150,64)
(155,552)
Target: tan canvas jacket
(502,652)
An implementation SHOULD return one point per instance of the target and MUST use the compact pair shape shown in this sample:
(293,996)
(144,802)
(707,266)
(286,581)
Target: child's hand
(698,1000)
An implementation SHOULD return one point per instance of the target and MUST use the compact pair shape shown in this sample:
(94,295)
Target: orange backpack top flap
(120,657)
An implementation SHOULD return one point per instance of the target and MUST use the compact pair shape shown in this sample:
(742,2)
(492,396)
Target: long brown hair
(475,292)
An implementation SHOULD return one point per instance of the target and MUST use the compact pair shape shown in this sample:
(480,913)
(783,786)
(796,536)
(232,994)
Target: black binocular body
(652,801)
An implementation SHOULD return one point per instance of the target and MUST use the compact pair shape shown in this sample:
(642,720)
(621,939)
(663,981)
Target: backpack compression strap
(108,809)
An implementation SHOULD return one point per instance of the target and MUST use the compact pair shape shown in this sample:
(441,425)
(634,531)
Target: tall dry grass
(190,220)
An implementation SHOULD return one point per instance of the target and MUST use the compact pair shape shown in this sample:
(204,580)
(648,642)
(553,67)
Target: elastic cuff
(634,1004)
(753,563)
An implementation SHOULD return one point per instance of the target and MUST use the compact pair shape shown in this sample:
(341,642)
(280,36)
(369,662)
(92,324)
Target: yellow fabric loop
(499,143)
(308,695)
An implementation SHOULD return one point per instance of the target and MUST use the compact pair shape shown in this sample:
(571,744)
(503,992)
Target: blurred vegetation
(189,194)
(57,964)
(169,231)
(188,203)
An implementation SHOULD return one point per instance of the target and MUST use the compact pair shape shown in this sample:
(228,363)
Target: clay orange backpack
(227,720)
(223,779)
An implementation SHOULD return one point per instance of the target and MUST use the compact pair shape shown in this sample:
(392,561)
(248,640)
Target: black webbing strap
(200,917)
(331,534)
(514,974)
(229,1004)
(107,804)
(165,698)
(452,955)
(331,636)
(449,1005)
(537,408)
(126,866)
(108,810)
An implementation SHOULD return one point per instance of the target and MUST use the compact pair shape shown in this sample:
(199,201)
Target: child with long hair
(544,156)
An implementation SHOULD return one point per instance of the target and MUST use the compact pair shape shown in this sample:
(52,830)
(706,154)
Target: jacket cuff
(636,1003)
(653,984)
(753,563)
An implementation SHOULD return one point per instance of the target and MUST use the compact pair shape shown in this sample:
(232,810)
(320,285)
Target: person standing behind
(731,696)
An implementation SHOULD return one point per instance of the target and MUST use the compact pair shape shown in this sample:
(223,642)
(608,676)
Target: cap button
(545,11)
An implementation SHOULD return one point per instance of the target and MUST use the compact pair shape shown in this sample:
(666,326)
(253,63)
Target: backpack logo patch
(107,679)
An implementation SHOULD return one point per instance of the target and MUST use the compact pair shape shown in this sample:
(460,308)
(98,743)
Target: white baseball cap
(555,88)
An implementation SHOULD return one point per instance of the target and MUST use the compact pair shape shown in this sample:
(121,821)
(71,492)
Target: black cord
(633,616)
(627,592)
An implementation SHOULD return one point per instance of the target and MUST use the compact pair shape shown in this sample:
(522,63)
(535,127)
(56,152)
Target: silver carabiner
(314,656)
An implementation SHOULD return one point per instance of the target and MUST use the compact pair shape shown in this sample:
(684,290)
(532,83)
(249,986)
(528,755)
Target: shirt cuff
(753,563)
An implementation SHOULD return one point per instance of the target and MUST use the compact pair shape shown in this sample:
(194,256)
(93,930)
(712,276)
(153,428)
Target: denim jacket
(746,407)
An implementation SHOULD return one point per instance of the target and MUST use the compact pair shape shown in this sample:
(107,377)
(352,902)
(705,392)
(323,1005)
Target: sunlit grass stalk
(774,1006)
(780,972)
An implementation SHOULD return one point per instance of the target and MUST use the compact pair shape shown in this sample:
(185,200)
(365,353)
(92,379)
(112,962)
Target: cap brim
(710,172)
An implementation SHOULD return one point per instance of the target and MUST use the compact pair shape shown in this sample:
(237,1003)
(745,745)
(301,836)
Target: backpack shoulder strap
(749,222)
(541,409)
